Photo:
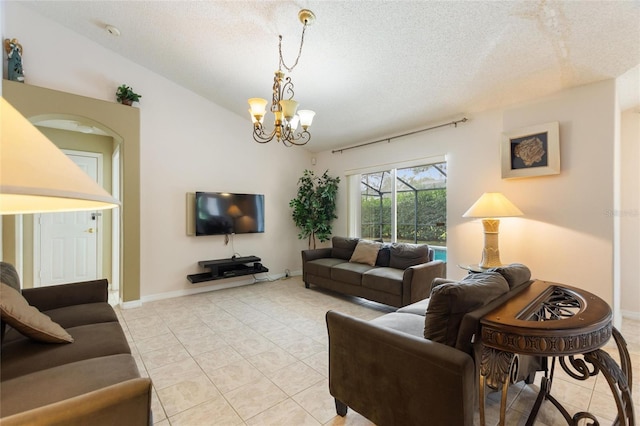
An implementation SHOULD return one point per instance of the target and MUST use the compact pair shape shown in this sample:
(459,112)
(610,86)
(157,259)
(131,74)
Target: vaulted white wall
(187,144)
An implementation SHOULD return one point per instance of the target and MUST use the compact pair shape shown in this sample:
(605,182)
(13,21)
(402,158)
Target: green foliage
(314,207)
(429,227)
(126,93)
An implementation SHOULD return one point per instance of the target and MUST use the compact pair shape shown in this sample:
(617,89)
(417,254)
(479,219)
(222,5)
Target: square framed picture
(531,151)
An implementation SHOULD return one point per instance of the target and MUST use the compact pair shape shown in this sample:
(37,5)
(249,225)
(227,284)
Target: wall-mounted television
(220,213)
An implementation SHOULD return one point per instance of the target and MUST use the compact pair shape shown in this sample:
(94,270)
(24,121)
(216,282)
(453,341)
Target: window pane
(375,206)
(421,206)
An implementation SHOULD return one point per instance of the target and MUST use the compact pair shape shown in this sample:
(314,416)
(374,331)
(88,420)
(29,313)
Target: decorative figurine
(14,58)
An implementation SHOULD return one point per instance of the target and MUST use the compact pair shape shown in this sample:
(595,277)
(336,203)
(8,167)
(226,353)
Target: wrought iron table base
(499,369)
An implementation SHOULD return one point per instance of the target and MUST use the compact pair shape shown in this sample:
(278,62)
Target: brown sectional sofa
(402,273)
(93,380)
(419,365)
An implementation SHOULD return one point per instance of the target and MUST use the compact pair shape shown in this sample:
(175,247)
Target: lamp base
(490,252)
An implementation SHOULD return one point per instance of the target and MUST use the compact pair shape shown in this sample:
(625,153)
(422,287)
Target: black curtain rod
(454,123)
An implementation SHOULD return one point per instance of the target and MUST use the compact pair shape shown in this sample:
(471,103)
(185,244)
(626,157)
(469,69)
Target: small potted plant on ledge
(126,96)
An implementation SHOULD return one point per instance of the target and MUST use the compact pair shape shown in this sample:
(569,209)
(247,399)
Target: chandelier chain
(282,64)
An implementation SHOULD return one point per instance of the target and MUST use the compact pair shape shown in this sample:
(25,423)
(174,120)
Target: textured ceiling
(371,69)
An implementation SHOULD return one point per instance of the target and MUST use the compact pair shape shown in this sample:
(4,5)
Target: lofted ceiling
(372,69)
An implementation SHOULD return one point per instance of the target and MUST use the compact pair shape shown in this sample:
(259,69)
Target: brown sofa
(418,365)
(93,380)
(396,275)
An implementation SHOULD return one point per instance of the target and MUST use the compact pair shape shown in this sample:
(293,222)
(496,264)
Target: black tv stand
(227,268)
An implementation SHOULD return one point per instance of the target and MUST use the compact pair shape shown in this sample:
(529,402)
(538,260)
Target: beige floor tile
(295,378)
(303,348)
(319,362)
(187,394)
(204,343)
(272,360)
(251,344)
(234,375)
(317,401)
(154,343)
(216,411)
(156,408)
(164,356)
(351,419)
(217,358)
(170,374)
(255,397)
(285,413)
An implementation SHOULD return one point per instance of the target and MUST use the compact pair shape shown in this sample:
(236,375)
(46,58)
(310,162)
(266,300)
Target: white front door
(68,242)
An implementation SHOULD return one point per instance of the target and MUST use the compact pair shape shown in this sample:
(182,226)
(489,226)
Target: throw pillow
(16,312)
(449,302)
(515,274)
(384,255)
(404,255)
(366,252)
(342,248)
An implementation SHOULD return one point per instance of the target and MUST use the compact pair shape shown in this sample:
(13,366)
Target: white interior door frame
(37,228)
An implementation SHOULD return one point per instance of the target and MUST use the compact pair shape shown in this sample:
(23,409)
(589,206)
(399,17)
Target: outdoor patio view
(420,195)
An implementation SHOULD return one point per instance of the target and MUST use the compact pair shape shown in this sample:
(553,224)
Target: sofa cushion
(16,312)
(322,267)
(388,280)
(407,323)
(404,255)
(87,313)
(384,255)
(342,248)
(25,356)
(366,252)
(350,273)
(417,308)
(516,274)
(449,302)
(64,381)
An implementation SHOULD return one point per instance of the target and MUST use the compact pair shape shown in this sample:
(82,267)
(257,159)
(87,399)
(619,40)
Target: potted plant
(314,208)
(126,96)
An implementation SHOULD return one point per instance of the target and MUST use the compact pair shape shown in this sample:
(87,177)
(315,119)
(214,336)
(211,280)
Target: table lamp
(36,177)
(490,206)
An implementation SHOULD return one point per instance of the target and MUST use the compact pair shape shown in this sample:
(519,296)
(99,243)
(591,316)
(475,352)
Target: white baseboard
(631,315)
(130,305)
(214,287)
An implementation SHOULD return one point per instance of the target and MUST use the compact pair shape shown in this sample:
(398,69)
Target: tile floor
(257,355)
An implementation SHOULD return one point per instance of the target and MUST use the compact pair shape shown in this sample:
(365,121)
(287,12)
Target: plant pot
(126,102)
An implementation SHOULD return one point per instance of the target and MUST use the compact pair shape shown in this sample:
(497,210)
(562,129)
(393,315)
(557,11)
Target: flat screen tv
(220,213)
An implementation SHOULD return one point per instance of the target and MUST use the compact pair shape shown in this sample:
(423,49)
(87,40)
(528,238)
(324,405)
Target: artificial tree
(314,207)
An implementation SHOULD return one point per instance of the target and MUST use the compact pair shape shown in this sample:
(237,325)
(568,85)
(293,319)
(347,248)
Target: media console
(227,268)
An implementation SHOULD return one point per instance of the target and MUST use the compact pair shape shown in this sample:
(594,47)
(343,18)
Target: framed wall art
(531,151)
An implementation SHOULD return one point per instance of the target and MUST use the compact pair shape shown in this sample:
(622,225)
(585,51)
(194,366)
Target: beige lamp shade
(36,177)
(492,204)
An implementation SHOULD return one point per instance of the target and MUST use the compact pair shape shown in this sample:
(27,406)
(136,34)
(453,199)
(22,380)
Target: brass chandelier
(287,116)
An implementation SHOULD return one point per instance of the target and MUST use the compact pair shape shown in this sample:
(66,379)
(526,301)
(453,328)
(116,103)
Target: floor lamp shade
(490,206)
(36,177)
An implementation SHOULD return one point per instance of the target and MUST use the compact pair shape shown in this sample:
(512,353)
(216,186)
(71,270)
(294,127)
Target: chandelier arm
(260,136)
(287,88)
(304,29)
(302,139)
